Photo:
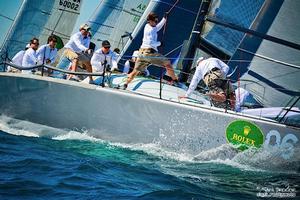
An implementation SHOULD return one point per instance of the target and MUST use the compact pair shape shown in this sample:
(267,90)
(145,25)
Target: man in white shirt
(77,49)
(17,60)
(30,57)
(213,71)
(148,50)
(47,53)
(104,58)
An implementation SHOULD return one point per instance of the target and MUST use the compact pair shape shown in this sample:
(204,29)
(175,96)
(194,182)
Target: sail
(275,67)
(114,20)
(242,13)
(178,27)
(41,18)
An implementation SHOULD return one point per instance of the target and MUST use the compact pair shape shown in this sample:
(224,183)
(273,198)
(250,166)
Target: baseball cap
(85,27)
(105,43)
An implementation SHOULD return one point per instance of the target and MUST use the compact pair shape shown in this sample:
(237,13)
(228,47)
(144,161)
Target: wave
(250,160)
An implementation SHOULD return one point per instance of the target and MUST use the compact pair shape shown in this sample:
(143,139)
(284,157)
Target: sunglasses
(36,43)
(106,47)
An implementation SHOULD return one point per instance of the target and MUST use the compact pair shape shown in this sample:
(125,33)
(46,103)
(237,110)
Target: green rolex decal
(244,134)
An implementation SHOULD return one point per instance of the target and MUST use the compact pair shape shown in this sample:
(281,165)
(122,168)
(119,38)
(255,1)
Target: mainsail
(114,20)
(41,18)
(276,67)
(259,40)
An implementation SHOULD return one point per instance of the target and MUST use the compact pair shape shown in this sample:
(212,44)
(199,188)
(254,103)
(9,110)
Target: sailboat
(40,19)
(150,110)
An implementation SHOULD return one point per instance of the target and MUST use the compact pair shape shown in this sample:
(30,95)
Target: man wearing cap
(77,49)
(213,71)
(148,50)
(104,58)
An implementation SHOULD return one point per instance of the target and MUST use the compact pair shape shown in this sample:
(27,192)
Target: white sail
(114,20)
(40,18)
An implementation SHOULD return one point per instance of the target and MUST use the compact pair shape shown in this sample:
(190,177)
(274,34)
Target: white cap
(27,46)
(85,27)
(135,54)
(199,60)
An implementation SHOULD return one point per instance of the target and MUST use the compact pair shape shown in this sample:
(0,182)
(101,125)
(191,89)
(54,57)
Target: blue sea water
(38,162)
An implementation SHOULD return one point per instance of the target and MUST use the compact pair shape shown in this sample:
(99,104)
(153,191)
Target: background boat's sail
(178,27)
(40,18)
(114,20)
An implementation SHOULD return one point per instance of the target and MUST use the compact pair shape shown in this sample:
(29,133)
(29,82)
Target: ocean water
(40,162)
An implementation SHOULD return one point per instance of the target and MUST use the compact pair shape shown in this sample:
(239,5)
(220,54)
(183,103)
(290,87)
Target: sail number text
(70,4)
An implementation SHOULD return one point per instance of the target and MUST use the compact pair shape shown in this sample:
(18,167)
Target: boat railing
(243,84)
(281,117)
(42,66)
(161,77)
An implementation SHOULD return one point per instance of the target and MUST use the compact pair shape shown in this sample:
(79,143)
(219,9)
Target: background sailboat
(41,18)
(114,20)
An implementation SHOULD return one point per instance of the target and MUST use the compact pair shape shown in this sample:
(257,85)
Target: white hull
(123,116)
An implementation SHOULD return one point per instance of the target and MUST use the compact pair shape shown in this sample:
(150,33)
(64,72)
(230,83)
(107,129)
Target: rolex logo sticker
(244,134)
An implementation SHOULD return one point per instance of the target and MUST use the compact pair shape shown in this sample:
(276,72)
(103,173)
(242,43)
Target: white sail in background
(114,19)
(62,19)
(41,18)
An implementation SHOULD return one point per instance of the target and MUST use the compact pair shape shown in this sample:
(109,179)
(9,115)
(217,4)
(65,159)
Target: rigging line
(168,12)
(6,17)
(253,32)
(92,15)
(289,109)
(178,7)
(277,117)
(173,50)
(270,59)
(173,6)
(62,12)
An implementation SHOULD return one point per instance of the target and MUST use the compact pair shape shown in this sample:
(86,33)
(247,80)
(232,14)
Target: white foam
(29,129)
(253,160)
(8,128)
(74,135)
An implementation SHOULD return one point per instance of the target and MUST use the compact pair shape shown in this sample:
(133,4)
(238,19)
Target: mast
(194,40)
